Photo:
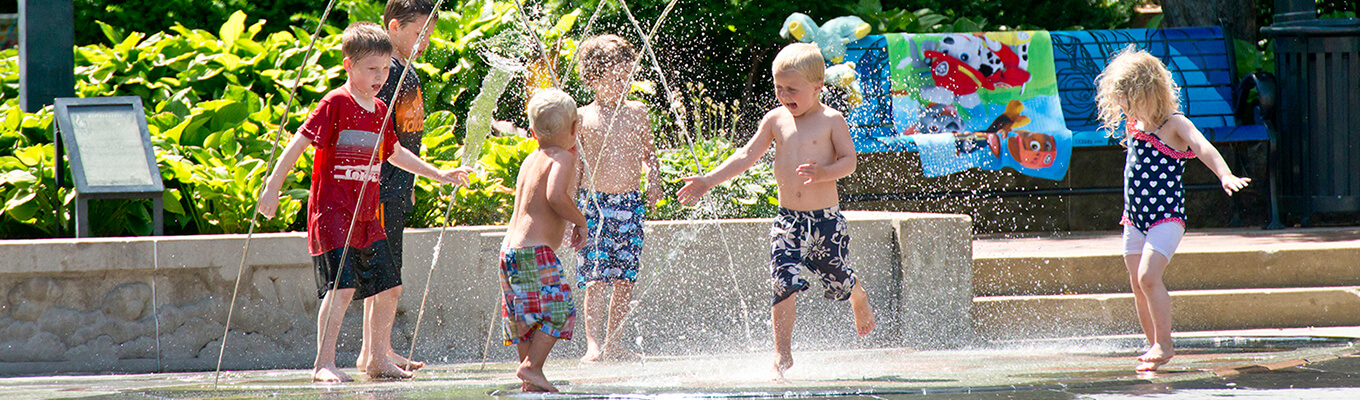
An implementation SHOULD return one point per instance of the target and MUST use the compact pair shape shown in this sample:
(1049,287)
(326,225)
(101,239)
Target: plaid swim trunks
(535,298)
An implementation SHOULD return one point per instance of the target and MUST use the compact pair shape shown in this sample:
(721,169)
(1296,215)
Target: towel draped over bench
(984,100)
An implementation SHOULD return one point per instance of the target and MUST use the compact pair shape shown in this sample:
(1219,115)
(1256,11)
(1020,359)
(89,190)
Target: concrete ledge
(1084,271)
(1018,317)
(159,304)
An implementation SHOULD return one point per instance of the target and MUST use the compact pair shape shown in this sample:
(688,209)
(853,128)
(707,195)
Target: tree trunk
(1237,17)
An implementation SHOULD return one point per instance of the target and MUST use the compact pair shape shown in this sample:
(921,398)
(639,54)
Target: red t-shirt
(343,134)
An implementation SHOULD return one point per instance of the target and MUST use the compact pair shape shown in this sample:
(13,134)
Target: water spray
(479,119)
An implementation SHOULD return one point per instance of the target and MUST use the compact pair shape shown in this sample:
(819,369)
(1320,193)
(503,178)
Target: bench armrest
(1266,99)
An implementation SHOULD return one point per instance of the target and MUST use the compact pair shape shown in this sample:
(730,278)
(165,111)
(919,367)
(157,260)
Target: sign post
(46,52)
(110,152)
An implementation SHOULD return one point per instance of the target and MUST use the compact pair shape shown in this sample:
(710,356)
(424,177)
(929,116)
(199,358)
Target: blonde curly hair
(1137,86)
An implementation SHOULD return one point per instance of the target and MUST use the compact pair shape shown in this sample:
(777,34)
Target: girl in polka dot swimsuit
(1136,89)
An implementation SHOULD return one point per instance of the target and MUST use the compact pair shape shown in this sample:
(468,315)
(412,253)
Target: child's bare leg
(783,315)
(1150,270)
(378,327)
(328,317)
(1140,304)
(532,356)
(365,353)
(595,304)
(864,313)
(619,305)
(401,362)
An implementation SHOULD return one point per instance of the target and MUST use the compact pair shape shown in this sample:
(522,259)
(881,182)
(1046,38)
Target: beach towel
(978,100)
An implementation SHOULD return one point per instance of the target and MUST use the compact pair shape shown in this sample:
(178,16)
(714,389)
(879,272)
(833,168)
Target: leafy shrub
(161,15)
(214,103)
(753,194)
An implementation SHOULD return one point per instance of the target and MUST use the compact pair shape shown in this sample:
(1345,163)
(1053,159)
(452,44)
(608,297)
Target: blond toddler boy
(537,303)
(812,150)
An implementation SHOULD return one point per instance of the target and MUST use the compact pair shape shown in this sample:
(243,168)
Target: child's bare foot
(329,374)
(864,313)
(404,363)
(385,369)
(534,381)
(1157,354)
(1154,358)
(620,355)
(781,365)
(401,362)
(1150,366)
(592,355)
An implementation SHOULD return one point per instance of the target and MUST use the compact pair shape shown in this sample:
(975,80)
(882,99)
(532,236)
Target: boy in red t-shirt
(348,246)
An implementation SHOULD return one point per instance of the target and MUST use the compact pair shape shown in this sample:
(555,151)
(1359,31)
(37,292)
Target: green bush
(161,15)
(214,103)
(753,194)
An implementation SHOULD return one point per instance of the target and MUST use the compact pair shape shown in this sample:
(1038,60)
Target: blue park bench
(1200,59)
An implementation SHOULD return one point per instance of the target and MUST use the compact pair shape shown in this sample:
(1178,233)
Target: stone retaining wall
(159,304)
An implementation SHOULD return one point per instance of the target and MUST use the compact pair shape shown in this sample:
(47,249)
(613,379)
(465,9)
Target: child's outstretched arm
(408,161)
(740,161)
(1208,154)
(269,197)
(846,157)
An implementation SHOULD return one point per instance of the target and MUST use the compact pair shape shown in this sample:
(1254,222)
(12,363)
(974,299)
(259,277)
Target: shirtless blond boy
(537,304)
(616,144)
(812,150)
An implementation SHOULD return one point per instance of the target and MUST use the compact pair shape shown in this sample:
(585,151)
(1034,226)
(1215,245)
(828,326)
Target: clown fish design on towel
(994,92)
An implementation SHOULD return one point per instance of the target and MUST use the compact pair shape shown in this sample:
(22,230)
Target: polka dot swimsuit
(1153,193)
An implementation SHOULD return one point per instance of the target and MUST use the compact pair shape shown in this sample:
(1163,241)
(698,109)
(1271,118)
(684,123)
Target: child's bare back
(535,221)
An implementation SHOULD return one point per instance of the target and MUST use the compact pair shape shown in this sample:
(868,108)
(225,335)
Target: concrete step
(1206,260)
(1022,317)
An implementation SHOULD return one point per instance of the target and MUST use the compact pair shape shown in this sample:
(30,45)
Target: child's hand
(809,170)
(457,176)
(269,202)
(578,237)
(654,196)
(695,187)
(508,128)
(1232,183)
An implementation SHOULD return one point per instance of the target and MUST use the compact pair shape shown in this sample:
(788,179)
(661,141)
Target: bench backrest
(1200,59)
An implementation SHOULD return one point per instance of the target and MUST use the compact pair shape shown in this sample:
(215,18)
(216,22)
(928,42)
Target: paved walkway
(1034,369)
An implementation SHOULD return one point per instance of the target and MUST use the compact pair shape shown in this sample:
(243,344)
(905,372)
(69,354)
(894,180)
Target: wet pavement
(1290,363)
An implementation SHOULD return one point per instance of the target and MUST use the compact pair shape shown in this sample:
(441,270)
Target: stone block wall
(160,304)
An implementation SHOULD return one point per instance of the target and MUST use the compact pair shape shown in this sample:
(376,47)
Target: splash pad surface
(1057,368)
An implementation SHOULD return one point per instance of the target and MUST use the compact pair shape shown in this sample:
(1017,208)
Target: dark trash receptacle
(1316,149)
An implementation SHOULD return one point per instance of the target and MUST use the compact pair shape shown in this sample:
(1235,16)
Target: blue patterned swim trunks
(815,240)
(614,239)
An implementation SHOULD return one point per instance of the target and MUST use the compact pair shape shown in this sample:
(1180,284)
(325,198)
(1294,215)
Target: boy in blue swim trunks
(812,150)
(616,144)
(537,303)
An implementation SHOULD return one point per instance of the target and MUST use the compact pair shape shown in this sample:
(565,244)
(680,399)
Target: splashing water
(480,114)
